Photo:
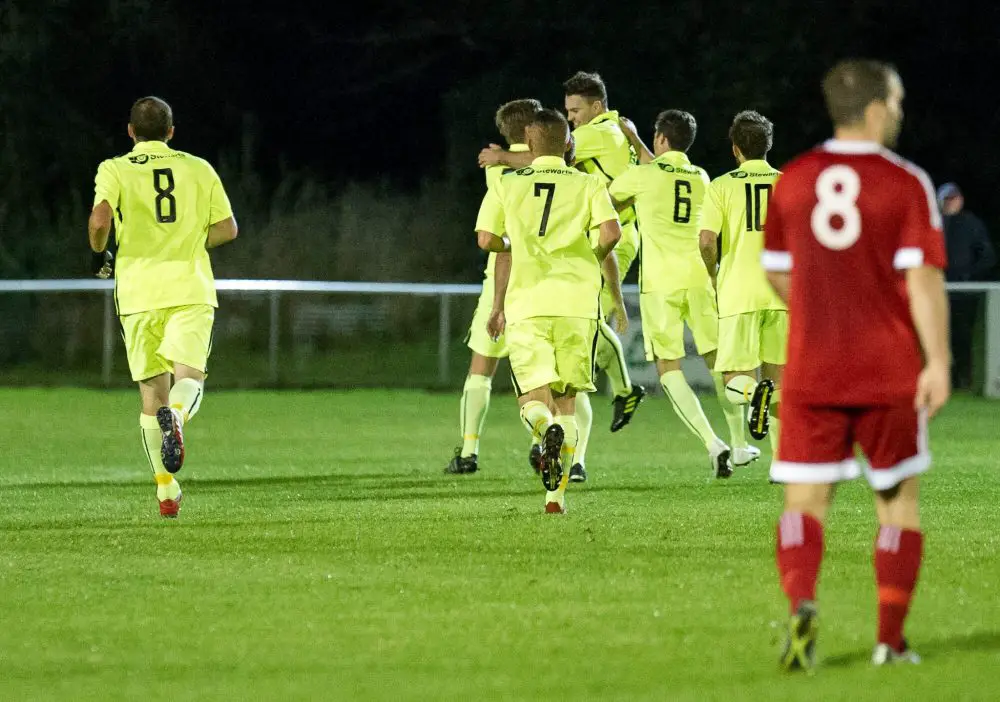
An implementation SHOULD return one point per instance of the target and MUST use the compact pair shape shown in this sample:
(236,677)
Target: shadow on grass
(444,486)
(428,491)
(930,649)
(210,482)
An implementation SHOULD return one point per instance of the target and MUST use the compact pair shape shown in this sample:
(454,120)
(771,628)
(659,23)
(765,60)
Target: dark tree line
(389,103)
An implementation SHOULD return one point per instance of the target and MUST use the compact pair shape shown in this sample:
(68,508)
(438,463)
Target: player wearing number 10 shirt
(753,321)
(853,242)
(168,207)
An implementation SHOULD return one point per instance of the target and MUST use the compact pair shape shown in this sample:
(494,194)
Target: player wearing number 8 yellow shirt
(753,321)
(168,207)
(548,287)
(675,289)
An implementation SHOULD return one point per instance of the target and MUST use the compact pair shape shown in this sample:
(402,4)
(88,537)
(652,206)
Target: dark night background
(326,120)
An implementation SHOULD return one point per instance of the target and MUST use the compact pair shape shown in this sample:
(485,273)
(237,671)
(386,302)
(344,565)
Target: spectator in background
(970,257)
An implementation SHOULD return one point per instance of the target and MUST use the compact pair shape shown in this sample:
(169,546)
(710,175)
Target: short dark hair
(752,133)
(852,85)
(678,127)
(554,130)
(588,85)
(151,119)
(514,116)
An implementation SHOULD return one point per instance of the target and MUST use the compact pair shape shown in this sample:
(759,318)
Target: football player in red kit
(853,243)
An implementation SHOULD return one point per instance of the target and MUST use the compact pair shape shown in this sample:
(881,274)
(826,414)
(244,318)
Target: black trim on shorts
(593,355)
(513,380)
(638,255)
(211,342)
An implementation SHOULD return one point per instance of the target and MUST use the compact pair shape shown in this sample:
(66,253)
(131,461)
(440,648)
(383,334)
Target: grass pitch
(321,553)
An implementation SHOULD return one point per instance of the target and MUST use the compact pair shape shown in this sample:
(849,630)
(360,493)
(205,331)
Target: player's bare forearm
(612,275)
(99,226)
(612,278)
(501,275)
(632,134)
(645,155)
(488,241)
(781,282)
(929,307)
(709,246)
(499,157)
(610,233)
(221,232)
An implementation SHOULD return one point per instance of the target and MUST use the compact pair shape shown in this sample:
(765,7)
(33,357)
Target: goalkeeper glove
(102,264)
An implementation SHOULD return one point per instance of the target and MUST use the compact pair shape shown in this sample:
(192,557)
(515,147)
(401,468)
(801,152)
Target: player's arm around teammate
(171,208)
(638,145)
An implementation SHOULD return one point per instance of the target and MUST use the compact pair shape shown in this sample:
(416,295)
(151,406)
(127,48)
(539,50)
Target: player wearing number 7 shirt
(168,207)
(853,243)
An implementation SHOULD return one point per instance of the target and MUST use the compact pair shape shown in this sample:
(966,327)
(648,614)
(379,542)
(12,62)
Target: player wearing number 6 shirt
(753,321)
(854,244)
(675,289)
(168,207)
(548,288)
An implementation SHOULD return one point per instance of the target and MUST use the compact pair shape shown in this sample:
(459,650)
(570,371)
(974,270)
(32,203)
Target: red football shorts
(817,444)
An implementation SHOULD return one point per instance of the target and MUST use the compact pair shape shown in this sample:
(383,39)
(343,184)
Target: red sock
(800,551)
(898,553)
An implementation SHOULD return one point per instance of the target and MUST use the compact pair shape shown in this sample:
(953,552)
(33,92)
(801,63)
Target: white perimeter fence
(275,289)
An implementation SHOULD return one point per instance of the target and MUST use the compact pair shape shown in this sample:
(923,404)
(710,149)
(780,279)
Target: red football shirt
(847,219)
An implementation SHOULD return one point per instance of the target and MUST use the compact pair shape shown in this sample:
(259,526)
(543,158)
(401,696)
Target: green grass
(322,554)
(412,364)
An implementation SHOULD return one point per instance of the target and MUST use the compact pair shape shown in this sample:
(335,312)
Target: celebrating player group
(818,289)
(666,208)
(832,268)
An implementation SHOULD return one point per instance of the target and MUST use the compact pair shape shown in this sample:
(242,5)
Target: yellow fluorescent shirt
(736,207)
(546,210)
(602,148)
(165,201)
(668,194)
(493,174)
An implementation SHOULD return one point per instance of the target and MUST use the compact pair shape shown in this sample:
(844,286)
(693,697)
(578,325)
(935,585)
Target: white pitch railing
(443,291)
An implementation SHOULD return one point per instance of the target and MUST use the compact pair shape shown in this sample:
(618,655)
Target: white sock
(733,413)
(185,397)
(584,421)
(687,406)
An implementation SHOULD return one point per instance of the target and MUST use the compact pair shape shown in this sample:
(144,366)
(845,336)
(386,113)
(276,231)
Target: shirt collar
(842,146)
(150,146)
(518,148)
(754,163)
(605,117)
(674,158)
(549,161)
